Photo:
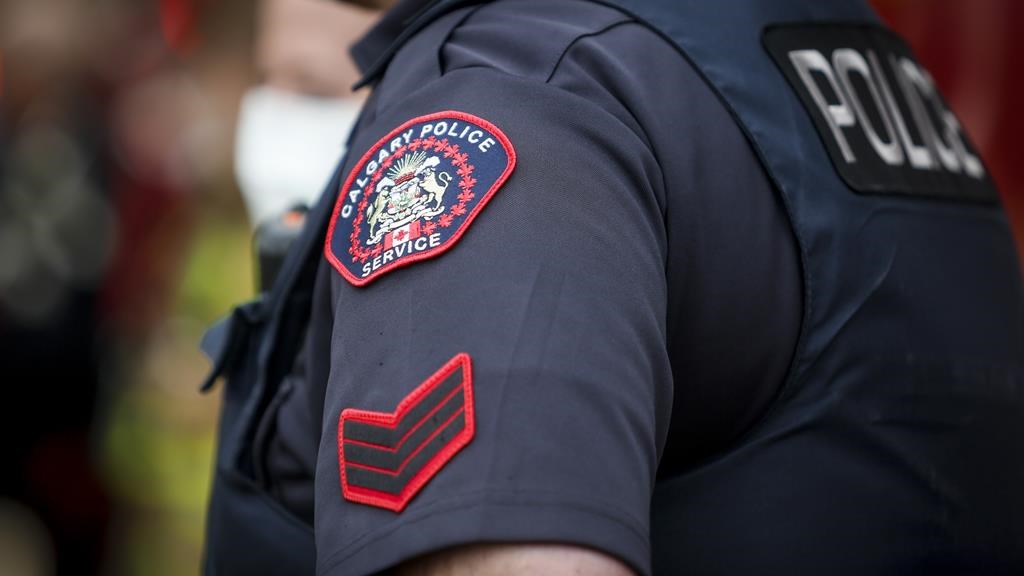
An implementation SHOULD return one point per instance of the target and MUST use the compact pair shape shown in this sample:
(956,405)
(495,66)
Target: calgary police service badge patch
(415,192)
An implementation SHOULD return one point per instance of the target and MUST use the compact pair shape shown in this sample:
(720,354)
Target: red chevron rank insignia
(385,459)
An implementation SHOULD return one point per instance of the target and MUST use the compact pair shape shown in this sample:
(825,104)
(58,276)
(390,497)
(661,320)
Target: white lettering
(404,249)
(455,130)
(407,136)
(847,61)
(346,210)
(859,82)
(949,141)
(396,144)
(919,155)
(972,165)
(837,116)
(915,77)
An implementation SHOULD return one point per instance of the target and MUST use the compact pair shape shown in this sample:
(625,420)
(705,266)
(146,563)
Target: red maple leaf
(429,142)
(445,220)
(461,158)
(467,183)
(440,144)
(377,250)
(429,228)
(415,144)
(465,170)
(459,209)
(465,196)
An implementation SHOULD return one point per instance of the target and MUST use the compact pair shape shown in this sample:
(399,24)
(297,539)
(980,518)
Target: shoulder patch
(415,193)
(386,458)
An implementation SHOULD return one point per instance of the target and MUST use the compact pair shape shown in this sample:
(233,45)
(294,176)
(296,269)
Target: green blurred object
(219,273)
(160,434)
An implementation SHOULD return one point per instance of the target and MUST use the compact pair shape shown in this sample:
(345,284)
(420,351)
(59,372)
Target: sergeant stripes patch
(386,458)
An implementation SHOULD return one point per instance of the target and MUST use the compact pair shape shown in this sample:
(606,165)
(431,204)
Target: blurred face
(291,125)
(302,45)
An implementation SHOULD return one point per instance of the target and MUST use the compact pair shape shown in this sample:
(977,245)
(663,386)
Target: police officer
(687,289)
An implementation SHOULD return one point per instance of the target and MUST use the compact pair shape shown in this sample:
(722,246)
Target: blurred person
(291,126)
(94,207)
(700,290)
(56,238)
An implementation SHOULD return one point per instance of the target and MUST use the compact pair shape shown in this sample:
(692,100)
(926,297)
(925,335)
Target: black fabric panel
(886,101)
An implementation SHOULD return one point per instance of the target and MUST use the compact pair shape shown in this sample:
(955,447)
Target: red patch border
(396,503)
(448,242)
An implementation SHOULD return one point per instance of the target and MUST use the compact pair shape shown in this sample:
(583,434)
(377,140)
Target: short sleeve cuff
(494,517)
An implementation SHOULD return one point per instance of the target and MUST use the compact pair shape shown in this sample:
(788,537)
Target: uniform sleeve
(541,330)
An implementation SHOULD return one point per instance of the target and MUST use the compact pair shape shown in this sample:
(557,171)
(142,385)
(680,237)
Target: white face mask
(287,146)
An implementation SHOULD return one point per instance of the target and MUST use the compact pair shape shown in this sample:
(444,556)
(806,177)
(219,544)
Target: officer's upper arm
(513,559)
(512,386)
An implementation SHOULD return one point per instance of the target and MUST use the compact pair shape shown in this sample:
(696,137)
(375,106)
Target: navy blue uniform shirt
(622,305)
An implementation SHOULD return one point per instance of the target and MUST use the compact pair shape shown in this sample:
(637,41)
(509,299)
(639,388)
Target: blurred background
(141,141)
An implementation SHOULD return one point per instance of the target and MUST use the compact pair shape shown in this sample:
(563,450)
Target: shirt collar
(374,50)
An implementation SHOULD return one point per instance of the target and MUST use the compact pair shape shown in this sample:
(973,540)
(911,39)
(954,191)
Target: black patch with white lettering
(878,112)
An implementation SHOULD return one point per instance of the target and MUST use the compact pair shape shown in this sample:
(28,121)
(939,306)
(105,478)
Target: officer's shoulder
(526,38)
(595,52)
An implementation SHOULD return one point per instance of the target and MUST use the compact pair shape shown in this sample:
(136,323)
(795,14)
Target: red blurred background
(972,48)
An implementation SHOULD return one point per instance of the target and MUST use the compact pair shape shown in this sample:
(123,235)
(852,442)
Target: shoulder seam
(447,37)
(627,20)
(577,39)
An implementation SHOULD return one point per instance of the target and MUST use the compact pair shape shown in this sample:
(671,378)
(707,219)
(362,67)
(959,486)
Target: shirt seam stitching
(568,47)
(648,142)
(595,34)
